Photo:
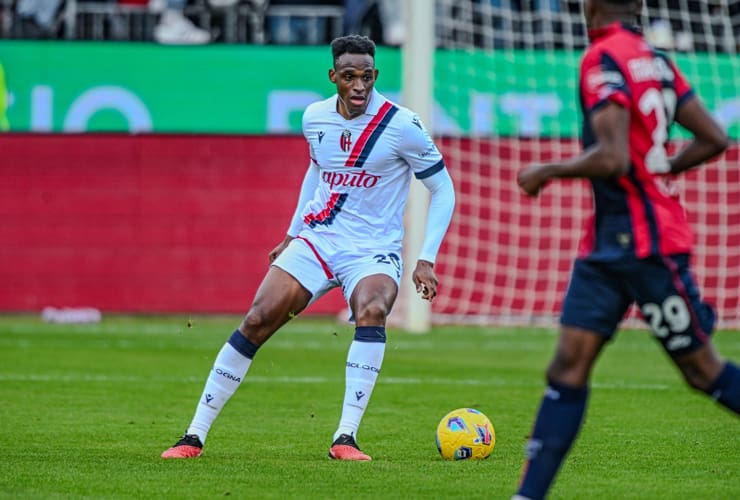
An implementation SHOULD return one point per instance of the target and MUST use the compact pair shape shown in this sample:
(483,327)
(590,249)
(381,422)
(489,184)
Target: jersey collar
(376,101)
(610,29)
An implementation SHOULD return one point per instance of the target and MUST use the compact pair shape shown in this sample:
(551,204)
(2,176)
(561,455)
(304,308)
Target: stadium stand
(684,25)
(241,21)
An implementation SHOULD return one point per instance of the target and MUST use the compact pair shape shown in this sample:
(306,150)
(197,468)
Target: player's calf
(726,389)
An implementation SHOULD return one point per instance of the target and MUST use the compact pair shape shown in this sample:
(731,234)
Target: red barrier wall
(158,223)
(144,223)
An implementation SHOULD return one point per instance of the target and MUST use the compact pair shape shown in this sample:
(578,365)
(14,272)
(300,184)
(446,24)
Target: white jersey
(365,166)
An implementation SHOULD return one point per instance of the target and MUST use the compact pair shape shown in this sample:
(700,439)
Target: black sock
(726,389)
(556,427)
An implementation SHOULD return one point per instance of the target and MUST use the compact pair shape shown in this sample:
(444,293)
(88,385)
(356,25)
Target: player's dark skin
(280,296)
(578,349)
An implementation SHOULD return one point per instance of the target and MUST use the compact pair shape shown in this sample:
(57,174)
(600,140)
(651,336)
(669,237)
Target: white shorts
(320,266)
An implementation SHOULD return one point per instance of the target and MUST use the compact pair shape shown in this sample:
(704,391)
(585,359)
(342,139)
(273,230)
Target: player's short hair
(352,44)
(620,2)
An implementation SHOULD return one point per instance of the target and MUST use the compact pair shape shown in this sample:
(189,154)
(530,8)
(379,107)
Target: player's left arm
(441,207)
(425,160)
(709,137)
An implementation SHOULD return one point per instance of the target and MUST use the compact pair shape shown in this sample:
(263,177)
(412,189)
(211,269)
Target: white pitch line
(279,379)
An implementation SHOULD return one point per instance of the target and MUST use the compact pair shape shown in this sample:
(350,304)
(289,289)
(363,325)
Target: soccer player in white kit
(346,232)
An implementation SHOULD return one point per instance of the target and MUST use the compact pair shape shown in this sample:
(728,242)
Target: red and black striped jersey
(637,213)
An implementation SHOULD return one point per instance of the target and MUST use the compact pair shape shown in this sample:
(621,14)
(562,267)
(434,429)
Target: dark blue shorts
(600,293)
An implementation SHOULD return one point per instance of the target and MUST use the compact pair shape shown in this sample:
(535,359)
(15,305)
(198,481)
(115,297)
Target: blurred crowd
(196,22)
(694,25)
(684,25)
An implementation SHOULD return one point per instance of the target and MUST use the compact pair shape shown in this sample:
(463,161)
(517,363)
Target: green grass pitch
(87,409)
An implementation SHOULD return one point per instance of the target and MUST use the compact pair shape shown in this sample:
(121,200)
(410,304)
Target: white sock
(171,16)
(363,366)
(227,373)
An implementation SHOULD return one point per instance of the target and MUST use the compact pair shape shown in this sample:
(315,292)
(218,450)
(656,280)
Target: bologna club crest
(345,141)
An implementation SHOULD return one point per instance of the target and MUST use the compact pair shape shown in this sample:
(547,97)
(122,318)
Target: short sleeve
(306,127)
(602,81)
(680,84)
(418,149)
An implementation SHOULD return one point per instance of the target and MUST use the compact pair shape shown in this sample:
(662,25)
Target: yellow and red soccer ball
(465,434)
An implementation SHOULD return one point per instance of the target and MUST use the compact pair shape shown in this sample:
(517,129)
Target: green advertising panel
(243,89)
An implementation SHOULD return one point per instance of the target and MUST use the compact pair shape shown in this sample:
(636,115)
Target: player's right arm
(606,99)
(608,157)
(308,188)
(709,137)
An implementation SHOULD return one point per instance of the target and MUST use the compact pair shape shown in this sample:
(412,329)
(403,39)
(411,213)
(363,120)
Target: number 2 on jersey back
(663,104)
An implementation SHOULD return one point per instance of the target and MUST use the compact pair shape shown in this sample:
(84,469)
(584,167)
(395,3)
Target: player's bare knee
(696,377)
(568,369)
(697,381)
(374,312)
(256,335)
(700,368)
(254,321)
(562,363)
(556,371)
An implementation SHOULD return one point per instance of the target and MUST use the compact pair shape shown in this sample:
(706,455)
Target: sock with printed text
(556,427)
(363,366)
(229,369)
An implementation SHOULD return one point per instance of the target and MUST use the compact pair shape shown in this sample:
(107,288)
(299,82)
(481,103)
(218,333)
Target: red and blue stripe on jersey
(370,135)
(327,214)
(633,213)
(356,159)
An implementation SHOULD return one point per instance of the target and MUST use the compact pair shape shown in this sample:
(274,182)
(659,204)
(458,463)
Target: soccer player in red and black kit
(638,243)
